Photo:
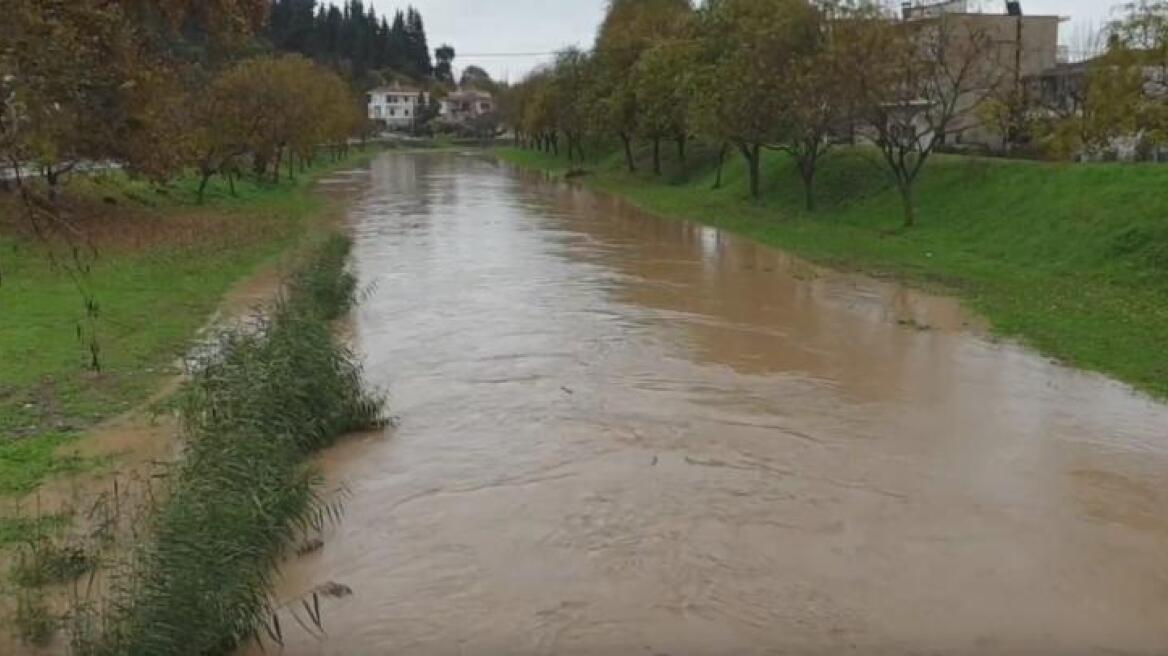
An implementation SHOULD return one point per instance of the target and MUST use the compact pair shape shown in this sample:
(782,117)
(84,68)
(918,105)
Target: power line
(462,55)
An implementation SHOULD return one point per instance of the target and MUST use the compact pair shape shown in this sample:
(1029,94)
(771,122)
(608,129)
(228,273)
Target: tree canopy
(352,36)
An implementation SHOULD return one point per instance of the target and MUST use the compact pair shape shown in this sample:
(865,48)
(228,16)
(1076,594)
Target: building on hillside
(466,104)
(396,107)
(1020,46)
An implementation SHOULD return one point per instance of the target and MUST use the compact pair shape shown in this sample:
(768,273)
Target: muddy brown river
(620,434)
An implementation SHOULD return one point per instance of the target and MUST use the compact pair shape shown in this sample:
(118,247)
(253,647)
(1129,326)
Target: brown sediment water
(620,434)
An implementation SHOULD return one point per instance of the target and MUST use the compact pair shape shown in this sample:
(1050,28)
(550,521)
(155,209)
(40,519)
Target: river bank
(1070,259)
(233,496)
(164,271)
(157,264)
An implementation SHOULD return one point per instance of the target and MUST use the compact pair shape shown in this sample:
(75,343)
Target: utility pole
(1014,8)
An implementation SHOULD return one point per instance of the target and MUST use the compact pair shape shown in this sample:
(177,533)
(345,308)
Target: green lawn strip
(1071,259)
(152,303)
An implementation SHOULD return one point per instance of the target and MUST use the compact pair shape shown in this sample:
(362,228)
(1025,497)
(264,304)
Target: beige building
(1019,47)
(466,104)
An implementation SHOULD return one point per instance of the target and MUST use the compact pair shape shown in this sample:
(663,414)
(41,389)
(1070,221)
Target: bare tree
(922,81)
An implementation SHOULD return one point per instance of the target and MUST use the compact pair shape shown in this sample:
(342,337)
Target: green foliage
(1067,258)
(745,49)
(663,88)
(257,404)
(323,285)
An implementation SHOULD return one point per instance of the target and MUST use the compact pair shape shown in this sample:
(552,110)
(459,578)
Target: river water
(626,435)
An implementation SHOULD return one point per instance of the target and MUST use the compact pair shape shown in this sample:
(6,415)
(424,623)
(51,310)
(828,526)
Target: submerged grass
(1072,259)
(256,406)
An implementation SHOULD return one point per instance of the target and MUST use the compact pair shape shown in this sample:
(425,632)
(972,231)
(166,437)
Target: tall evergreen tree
(351,36)
(417,48)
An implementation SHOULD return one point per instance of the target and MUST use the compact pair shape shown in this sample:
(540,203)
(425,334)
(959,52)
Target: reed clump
(242,497)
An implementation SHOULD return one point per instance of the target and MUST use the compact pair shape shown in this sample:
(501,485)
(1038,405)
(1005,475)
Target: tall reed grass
(242,497)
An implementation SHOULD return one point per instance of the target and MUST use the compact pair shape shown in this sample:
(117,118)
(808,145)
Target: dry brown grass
(123,228)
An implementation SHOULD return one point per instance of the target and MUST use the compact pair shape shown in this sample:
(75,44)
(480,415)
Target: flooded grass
(242,497)
(1068,258)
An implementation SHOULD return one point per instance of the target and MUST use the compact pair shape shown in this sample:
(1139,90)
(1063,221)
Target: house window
(392,112)
(379,111)
(406,113)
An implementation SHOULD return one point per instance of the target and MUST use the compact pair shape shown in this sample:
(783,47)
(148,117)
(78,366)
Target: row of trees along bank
(159,87)
(803,76)
(161,90)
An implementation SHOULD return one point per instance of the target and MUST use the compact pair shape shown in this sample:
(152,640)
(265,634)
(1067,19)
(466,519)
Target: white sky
(480,27)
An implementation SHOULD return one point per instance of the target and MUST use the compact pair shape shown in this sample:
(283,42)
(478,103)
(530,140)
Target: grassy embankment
(1071,259)
(162,265)
(242,497)
(190,568)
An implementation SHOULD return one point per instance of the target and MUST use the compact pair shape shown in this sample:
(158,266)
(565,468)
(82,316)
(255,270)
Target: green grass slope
(1072,259)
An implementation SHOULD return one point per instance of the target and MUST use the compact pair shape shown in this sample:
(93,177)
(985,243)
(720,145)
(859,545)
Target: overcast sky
(488,32)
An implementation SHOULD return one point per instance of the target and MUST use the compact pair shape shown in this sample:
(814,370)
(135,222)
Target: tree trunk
(906,195)
(231,182)
(681,139)
(807,172)
(629,160)
(206,177)
(656,155)
(259,164)
(721,165)
(753,153)
(276,167)
(53,178)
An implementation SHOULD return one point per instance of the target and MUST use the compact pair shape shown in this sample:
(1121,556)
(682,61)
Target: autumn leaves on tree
(159,87)
(752,75)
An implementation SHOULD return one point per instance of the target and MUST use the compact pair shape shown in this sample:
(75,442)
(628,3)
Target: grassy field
(1072,259)
(162,265)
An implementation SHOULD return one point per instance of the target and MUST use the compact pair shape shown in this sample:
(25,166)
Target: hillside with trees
(352,37)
